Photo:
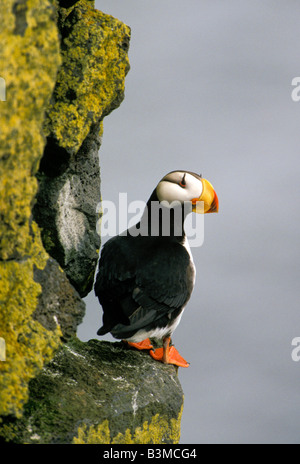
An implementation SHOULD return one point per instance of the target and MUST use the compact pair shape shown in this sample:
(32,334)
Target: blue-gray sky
(209,91)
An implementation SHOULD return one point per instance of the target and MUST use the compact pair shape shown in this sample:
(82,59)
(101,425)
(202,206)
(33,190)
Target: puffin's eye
(183,182)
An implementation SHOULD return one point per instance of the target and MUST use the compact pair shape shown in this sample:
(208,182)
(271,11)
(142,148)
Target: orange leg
(168,355)
(144,345)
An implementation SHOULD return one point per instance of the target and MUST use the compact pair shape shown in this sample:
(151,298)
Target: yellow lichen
(29,60)
(159,430)
(89,85)
(91,81)
(28,344)
(101,129)
(98,434)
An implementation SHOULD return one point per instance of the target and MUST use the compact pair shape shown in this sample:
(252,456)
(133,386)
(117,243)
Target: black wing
(140,282)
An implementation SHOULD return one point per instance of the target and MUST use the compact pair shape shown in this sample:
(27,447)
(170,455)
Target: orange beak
(208,201)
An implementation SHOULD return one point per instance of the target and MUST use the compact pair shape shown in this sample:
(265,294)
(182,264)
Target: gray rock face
(101,392)
(65,209)
(58,303)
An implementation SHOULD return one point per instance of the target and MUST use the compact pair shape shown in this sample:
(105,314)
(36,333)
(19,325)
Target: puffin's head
(185,186)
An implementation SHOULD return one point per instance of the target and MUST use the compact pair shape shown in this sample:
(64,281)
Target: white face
(179,186)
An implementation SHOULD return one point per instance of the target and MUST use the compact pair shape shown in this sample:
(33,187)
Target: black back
(142,283)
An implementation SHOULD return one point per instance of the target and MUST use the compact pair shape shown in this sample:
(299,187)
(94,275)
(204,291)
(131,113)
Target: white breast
(160,333)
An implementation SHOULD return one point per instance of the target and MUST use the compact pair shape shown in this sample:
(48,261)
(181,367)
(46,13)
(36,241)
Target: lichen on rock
(101,392)
(42,67)
(161,429)
(90,84)
(64,65)
(91,81)
(29,60)
(28,344)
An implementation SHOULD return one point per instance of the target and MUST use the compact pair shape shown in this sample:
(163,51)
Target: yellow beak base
(208,201)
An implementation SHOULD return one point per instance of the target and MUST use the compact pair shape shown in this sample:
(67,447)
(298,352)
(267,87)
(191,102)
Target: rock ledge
(100,392)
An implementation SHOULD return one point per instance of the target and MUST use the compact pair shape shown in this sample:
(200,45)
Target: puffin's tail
(104,330)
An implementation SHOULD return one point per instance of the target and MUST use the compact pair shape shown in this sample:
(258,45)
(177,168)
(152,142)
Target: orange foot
(168,355)
(144,345)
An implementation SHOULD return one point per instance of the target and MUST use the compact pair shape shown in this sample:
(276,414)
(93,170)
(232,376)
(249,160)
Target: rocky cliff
(64,66)
(100,392)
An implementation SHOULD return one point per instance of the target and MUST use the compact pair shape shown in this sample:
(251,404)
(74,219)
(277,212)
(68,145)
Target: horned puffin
(146,274)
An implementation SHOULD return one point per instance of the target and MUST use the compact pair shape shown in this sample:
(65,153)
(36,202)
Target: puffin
(146,274)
